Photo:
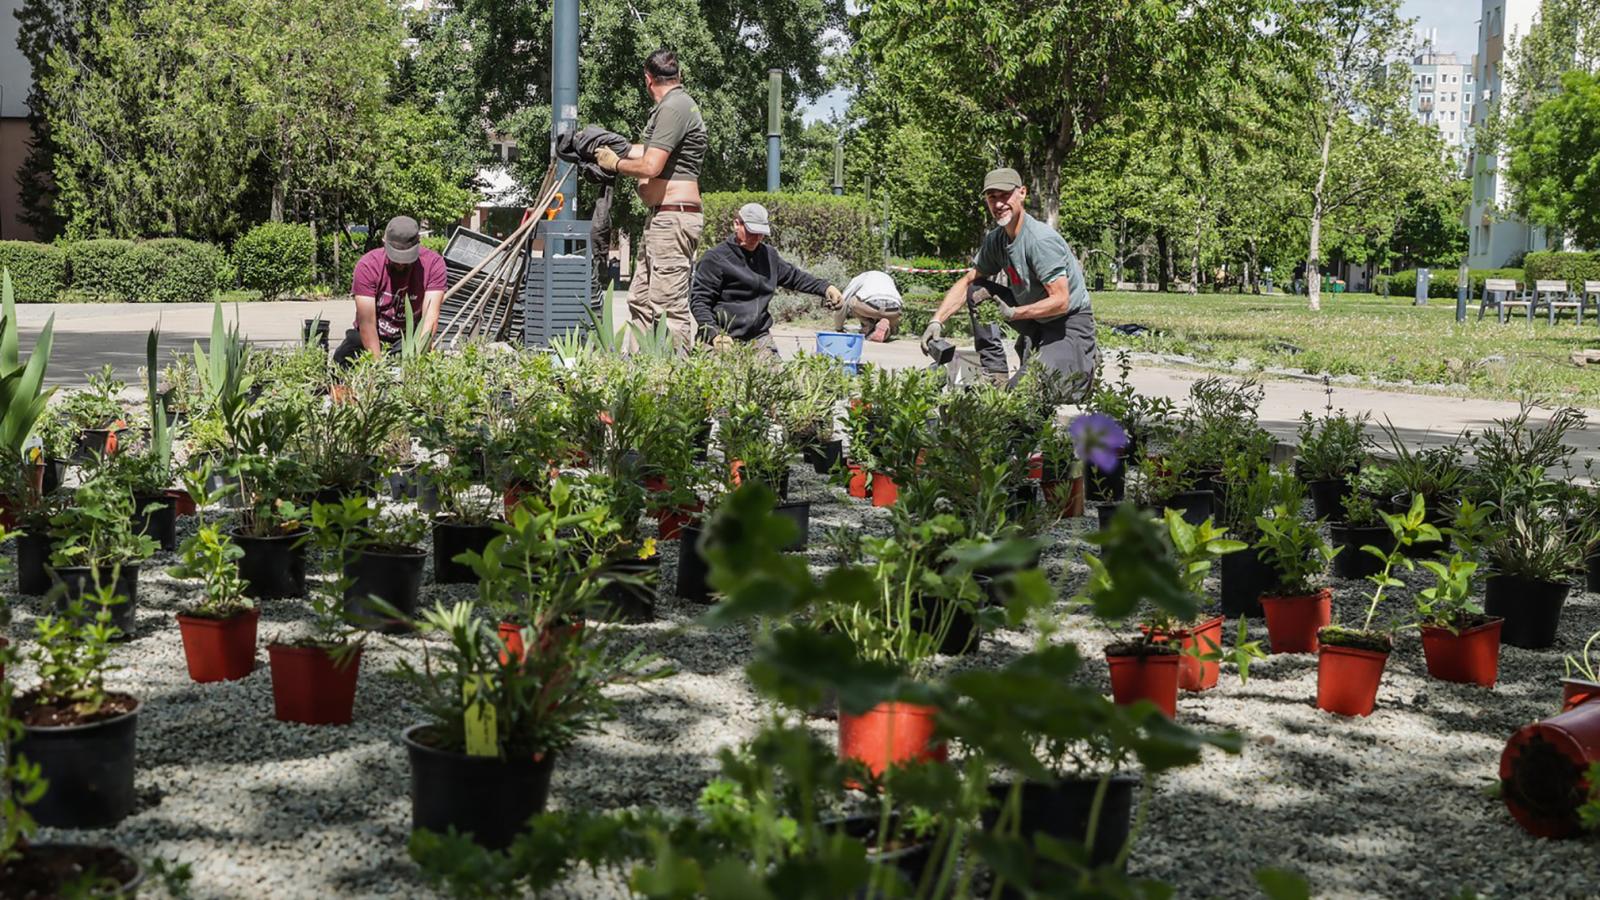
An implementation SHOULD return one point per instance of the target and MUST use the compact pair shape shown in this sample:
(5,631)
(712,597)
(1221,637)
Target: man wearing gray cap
(1044,299)
(735,280)
(400,274)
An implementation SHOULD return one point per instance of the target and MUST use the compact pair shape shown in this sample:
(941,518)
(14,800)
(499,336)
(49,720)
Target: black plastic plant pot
(55,474)
(451,539)
(1352,561)
(274,567)
(798,512)
(1104,512)
(1196,506)
(33,555)
(486,797)
(1327,497)
(963,635)
(90,770)
(50,870)
(629,603)
(692,569)
(404,484)
(96,442)
(80,582)
(1021,498)
(317,337)
(825,456)
(1591,573)
(393,575)
(1061,811)
(1245,577)
(1107,487)
(908,857)
(156,515)
(1531,609)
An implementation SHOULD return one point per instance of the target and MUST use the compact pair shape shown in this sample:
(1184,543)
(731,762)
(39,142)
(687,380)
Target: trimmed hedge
(804,226)
(168,270)
(276,258)
(1573,268)
(1442,282)
(91,266)
(38,271)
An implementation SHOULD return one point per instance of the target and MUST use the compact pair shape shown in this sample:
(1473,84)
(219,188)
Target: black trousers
(345,355)
(1066,346)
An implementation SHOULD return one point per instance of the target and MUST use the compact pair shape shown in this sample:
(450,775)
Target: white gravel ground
(1396,805)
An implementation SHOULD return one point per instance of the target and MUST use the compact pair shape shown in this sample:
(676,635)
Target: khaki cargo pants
(660,286)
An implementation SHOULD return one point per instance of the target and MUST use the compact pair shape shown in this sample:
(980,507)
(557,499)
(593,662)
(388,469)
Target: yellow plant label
(483,737)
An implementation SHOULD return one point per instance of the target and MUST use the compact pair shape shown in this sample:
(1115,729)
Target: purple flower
(1097,440)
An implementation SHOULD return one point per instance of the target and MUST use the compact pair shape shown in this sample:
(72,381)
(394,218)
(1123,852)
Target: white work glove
(932,333)
(1006,312)
(833,298)
(721,342)
(607,159)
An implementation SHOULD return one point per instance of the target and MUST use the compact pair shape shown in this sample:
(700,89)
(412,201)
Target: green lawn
(1366,335)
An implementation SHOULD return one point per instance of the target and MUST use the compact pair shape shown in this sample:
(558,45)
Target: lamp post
(564,93)
(774,125)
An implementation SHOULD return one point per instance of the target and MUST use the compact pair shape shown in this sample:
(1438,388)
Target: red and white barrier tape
(915,271)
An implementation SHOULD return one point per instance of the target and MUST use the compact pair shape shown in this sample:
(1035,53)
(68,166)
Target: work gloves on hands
(721,342)
(833,298)
(607,158)
(978,293)
(932,333)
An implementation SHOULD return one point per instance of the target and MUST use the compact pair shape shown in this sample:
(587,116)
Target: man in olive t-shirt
(667,163)
(1049,304)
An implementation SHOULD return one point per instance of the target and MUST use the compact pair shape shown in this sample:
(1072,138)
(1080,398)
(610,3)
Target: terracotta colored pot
(890,733)
(1293,622)
(1543,771)
(884,491)
(1195,674)
(310,688)
(1036,466)
(1471,657)
(858,481)
(220,649)
(1066,496)
(510,633)
(671,522)
(1347,679)
(1153,677)
(182,502)
(1576,691)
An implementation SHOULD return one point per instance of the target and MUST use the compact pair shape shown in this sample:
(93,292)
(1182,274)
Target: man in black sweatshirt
(735,280)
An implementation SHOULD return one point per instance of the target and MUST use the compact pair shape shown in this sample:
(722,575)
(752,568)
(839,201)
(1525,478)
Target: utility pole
(838,166)
(564,94)
(774,125)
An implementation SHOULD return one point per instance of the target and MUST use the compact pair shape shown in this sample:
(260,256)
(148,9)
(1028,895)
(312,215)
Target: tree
(1555,160)
(42,27)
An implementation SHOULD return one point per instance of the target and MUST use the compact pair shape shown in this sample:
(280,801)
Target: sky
(1457,21)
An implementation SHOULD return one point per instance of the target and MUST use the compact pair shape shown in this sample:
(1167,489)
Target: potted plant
(756,451)
(80,735)
(1062,476)
(465,520)
(387,564)
(1195,547)
(1144,419)
(1530,558)
(808,417)
(314,676)
(94,546)
(888,428)
(1360,525)
(1253,489)
(96,415)
(1350,661)
(1459,642)
(1582,683)
(1299,604)
(1329,454)
(1436,474)
(272,485)
(30,509)
(219,632)
(35,869)
(482,761)
(1167,482)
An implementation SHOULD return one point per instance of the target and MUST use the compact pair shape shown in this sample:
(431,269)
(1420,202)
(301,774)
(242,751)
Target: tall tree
(1555,160)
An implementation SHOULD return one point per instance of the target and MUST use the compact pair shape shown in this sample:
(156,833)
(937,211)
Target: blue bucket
(841,346)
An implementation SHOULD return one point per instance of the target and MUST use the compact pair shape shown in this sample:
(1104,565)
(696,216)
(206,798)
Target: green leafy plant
(1360,510)
(1582,664)
(1408,528)
(1296,550)
(210,556)
(1530,542)
(1437,474)
(72,653)
(1331,447)
(22,392)
(97,530)
(1448,603)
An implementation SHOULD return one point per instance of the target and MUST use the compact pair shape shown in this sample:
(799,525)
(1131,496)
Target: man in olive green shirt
(667,162)
(1049,304)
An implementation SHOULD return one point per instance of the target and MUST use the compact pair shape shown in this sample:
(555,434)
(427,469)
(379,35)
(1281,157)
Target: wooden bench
(1501,293)
(1553,295)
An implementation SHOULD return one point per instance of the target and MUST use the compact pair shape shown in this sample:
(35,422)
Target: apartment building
(1497,237)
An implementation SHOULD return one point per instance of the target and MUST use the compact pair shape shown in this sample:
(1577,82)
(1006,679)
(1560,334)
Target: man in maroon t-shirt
(400,272)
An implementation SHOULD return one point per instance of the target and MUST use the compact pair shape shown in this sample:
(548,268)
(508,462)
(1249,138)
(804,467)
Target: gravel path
(1394,805)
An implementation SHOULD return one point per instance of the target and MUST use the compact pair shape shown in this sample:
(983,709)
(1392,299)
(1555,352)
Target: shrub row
(804,226)
(1442,282)
(38,271)
(1573,268)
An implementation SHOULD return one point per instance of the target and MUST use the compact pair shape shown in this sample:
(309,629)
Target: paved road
(88,336)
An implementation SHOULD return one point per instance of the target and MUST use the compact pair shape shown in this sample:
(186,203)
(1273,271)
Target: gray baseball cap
(754,217)
(1001,180)
(402,240)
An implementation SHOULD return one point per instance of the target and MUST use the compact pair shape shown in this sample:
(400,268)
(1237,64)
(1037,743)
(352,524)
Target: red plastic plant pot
(182,503)
(884,491)
(1348,678)
(1196,674)
(510,634)
(1471,657)
(1152,677)
(220,649)
(858,481)
(1577,691)
(888,734)
(1036,466)
(1293,622)
(1066,496)
(1544,769)
(309,687)
(672,521)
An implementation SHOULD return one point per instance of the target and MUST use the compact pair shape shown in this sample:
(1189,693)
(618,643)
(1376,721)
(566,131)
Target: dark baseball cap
(402,240)
(1001,180)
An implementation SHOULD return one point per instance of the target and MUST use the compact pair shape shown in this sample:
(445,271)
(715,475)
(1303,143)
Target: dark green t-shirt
(1037,257)
(676,127)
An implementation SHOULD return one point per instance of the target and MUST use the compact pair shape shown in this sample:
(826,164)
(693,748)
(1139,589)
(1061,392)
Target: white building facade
(1496,236)
(1441,96)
